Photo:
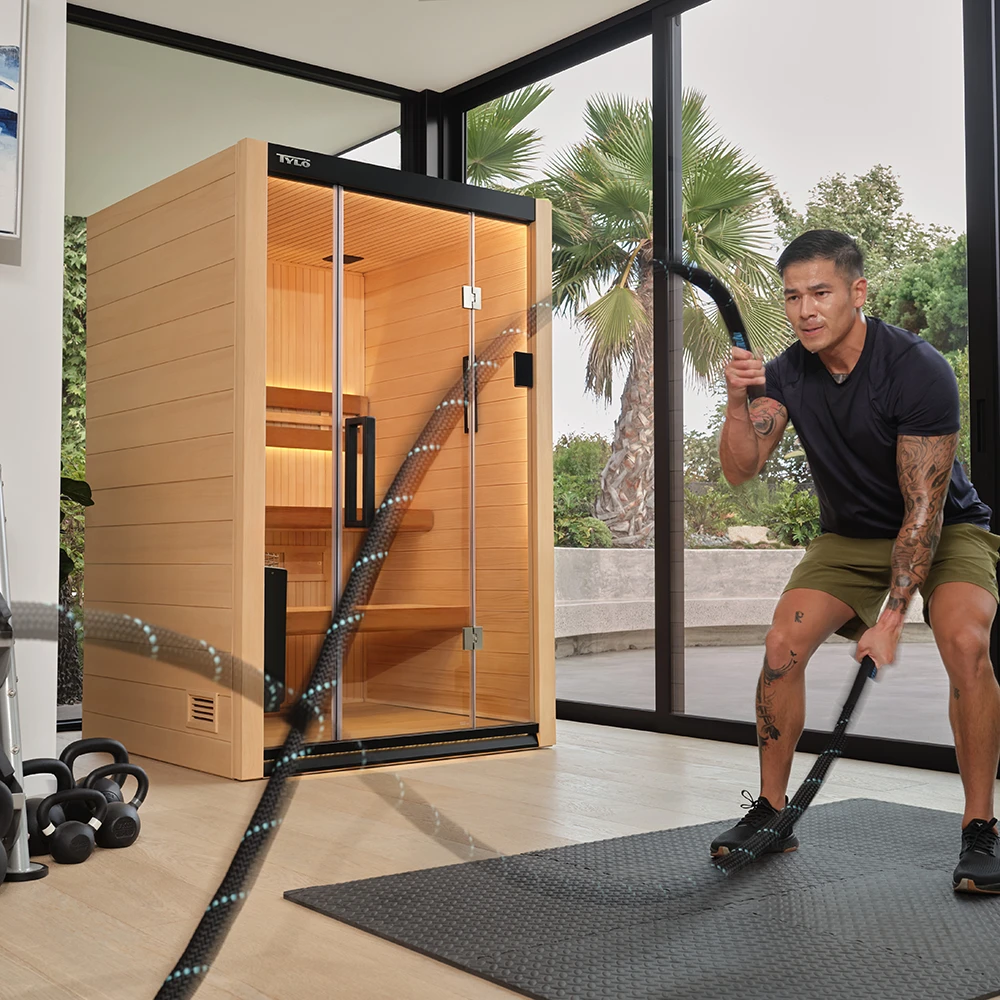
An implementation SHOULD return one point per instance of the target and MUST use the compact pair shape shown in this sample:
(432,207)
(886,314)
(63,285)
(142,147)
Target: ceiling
(138,112)
(418,44)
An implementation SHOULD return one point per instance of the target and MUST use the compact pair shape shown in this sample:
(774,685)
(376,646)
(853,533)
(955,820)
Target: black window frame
(663,20)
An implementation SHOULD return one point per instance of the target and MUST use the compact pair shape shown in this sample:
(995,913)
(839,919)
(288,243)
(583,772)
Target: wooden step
(320,518)
(280,397)
(384,618)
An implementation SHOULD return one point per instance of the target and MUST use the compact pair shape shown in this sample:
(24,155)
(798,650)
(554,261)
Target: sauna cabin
(268,333)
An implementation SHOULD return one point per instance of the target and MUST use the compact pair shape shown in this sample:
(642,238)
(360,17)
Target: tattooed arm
(924,466)
(749,435)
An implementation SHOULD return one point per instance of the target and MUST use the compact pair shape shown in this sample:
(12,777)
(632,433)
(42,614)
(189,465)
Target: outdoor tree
(73,458)
(931,297)
(917,274)
(602,194)
(868,208)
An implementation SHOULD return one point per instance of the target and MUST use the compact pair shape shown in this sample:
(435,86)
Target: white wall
(31,365)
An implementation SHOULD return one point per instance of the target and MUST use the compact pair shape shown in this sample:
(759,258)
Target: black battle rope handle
(724,302)
(207,938)
(743,856)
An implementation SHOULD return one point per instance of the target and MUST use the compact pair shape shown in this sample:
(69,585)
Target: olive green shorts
(858,571)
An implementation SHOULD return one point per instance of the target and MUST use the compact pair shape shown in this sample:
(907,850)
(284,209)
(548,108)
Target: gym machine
(15,864)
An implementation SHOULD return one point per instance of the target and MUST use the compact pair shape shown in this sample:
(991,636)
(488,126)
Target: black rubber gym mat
(865,908)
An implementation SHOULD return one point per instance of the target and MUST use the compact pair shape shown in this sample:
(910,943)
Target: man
(876,409)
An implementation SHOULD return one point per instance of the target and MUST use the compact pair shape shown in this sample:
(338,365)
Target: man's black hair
(825,244)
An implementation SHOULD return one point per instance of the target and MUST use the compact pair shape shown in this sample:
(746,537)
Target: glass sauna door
(406,340)
(501,592)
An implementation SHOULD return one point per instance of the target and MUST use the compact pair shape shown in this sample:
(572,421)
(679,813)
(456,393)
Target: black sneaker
(761,813)
(978,866)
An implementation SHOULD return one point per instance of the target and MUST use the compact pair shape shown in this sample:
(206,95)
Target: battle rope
(133,633)
(740,857)
(203,946)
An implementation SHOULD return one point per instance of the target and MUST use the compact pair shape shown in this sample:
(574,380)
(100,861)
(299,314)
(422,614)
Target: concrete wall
(728,593)
(31,279)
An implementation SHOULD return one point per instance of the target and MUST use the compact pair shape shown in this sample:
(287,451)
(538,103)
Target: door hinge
(472,297)
(472,637)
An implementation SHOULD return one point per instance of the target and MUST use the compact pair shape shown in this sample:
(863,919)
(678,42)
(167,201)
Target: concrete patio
(910,701)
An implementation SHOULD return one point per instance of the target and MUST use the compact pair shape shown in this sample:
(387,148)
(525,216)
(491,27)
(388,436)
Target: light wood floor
(112,927)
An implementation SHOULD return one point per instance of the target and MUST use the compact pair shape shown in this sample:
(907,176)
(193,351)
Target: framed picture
(13,32)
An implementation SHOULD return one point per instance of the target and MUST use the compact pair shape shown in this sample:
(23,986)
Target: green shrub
(701,457)
(706,513)
(789,511)
(581,455)
(582,533)
(578,461)
(795,515)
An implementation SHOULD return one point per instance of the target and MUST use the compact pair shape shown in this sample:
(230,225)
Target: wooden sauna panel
(386,232)
(186,337)
(175,316)
(300,356)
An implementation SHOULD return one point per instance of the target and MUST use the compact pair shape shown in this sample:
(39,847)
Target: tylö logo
(295,161)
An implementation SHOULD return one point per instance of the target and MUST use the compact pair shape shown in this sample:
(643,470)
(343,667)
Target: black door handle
(367,427)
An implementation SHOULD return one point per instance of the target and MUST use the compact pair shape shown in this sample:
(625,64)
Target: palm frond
(496,148)
(611,325)
(601,192)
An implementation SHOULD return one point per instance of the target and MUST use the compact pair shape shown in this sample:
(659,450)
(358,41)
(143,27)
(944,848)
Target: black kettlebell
(121,825)
(111,788)
(38,844)
(72,841)
(6,819)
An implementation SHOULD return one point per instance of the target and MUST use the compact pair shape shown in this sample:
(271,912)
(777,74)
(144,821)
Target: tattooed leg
(781,710)
(802,621)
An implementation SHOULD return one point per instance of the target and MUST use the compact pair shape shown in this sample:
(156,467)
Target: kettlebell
(111,788)
(121,825)
(72,841)
(6,818)
(38,844)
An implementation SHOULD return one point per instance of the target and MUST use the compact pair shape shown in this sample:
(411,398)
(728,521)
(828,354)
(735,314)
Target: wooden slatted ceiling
(300,225)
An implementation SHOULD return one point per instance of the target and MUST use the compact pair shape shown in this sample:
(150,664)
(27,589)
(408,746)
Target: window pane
(603,425)
(383,151)
(138,112)
(820,147)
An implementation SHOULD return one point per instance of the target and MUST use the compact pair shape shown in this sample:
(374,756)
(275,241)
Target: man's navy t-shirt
(900,385)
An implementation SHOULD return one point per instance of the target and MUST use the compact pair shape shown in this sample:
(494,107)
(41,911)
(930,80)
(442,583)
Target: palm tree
(497,149)
(602,195)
